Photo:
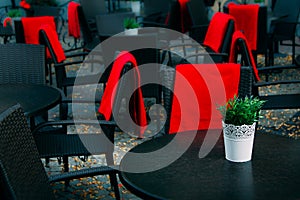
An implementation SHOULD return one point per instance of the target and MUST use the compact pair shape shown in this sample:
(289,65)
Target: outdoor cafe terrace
(276,57)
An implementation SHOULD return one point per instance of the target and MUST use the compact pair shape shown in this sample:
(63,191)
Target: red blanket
(216,31)
(73,21)
(233,55)
(137,106)
(32,25)
(198,90)
(246,18)
(54,41)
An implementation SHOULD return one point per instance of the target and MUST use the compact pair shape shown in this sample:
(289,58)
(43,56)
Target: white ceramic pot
(136,7)
(238,142)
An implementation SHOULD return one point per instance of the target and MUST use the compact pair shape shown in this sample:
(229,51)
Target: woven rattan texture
(22,63)
(20,158)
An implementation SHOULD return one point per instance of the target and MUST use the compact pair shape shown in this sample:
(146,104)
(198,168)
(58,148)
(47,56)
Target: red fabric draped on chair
(216,31)
(137,107)
(73,21)
(54,41)
(246,18)
(209,83)
(32,26)
(233,53)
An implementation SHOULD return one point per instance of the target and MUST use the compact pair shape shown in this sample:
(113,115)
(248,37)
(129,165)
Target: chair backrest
(91,8)
(248,25)
(22,63)
(219,33)
(138,42)
(197,12)
(156,6)
(169,78)
(288,12)
(87,34)
(112,23)
(25,177)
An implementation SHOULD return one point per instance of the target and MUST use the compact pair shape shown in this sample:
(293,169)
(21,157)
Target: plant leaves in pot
(239,120)
(130,26)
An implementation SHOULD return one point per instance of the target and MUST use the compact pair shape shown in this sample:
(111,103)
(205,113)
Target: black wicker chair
(89,31)
(20,38)
(155,11)
(24,177)
(219,56)
(22,63)
(199,20)
(276,101)
(262,35)
(173,22)
(283,27)
(143,56)
(168,78)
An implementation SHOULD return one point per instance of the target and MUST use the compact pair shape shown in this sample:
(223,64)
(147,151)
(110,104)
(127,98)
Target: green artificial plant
(240,111)
(130,23)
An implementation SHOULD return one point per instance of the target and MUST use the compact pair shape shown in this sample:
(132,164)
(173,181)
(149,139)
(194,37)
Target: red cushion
(198,90)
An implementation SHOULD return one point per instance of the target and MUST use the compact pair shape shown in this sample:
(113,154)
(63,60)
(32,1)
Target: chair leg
(293,50)
(114,185)
(66,168)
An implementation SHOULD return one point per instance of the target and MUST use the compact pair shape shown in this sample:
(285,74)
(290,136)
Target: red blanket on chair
(232,56)
(246,18)
(198,90)
(137,107)
(73,21)
(31,26)
(216,31)
(54,41)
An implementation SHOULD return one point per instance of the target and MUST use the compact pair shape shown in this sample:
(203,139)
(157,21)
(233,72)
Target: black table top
(273,172)
(34,99)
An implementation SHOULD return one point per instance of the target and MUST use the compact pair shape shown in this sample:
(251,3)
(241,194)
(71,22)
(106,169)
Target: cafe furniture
(273,171)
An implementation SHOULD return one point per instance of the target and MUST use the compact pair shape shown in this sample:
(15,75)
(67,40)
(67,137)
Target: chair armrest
(76,54)
(84,172)
(152,24)
(277,67)
(72,122)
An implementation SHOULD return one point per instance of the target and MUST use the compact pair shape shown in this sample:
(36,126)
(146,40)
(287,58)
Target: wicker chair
(22,63)
(283,28)
(217,49)
(276,101)
(168,78)
(199,20)
(25,177)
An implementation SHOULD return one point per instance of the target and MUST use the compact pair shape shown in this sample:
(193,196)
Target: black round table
(273,172)
(34,99)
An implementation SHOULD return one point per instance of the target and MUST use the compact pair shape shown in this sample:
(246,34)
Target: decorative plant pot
(136,7)
(238,141)
(133,31)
